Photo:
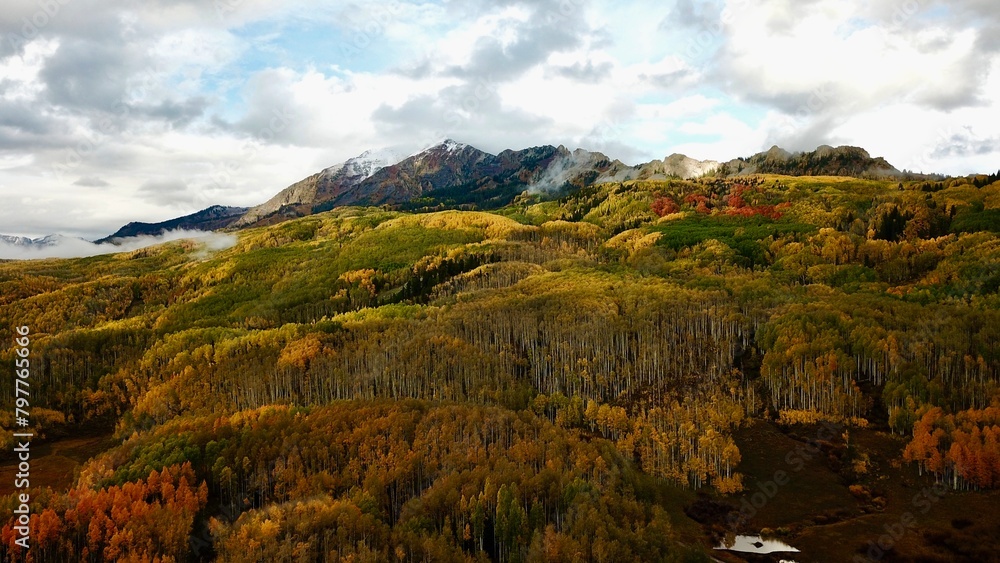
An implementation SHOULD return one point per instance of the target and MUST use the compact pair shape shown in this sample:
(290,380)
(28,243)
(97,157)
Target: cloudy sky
(121,110)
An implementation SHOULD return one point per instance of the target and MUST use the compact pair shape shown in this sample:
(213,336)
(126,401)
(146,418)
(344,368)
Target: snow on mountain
(452,146)
(15,241)
(327,184)
(442,147)
(457,174)
(365,164)
(36,243)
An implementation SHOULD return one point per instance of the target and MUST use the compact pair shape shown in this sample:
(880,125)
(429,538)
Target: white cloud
(687,107)
(21,72)
(915,83)
(857,64)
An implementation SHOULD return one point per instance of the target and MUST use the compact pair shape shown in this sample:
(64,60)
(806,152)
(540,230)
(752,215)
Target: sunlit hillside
(591,378)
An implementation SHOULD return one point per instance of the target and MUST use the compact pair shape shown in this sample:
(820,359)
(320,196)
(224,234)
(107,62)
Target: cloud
(472,113)
(177,114)
(91,182)
(522,40)
(88,74)
(231,105)
(844,51)
(966,142)
(68,247)
(805,135)
(691,15)
(21,117)
(588,72)
(166,192)
(560,172)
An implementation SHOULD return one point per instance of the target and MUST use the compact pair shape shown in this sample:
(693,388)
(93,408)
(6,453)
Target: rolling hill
(614,371)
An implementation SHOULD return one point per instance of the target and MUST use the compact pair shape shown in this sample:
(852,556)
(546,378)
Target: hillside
(447,175)
(210,219)
(608,373)
(824,161)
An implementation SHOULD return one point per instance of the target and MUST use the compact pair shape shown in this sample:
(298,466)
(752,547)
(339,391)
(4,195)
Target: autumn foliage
(664,205)
(962,448)
(146,520)
(366,384)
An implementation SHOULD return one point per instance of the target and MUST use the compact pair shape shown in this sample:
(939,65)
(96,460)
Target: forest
(568,379)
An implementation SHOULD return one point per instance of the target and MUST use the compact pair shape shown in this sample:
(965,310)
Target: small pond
(756,544)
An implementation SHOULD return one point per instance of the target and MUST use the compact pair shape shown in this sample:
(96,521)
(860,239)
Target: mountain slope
(675,165)
(450,173)
(330,184)
(210,219)
(454,175)
(824,161)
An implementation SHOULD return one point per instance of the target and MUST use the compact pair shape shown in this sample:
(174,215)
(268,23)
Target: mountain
(330,184)
(824,161)
(16,247)
(449,174)
(15,241)
(675,165)
(455,175)
(210,219)
(36,243)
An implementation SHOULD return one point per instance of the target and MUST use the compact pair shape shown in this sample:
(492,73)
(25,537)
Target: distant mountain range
(452,174)
(456,175)
(35,243)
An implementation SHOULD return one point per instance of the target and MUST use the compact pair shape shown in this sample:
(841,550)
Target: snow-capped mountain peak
(452,146)
(15,240)
(41,242)
(362,167)
(447,146)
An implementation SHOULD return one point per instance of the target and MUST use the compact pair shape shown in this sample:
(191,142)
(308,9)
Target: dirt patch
(55,463)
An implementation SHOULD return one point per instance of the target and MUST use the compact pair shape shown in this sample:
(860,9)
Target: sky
(143,110)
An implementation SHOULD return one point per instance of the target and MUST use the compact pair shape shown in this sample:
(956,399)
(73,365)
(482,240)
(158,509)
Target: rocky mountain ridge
(210,219)
(453,174)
